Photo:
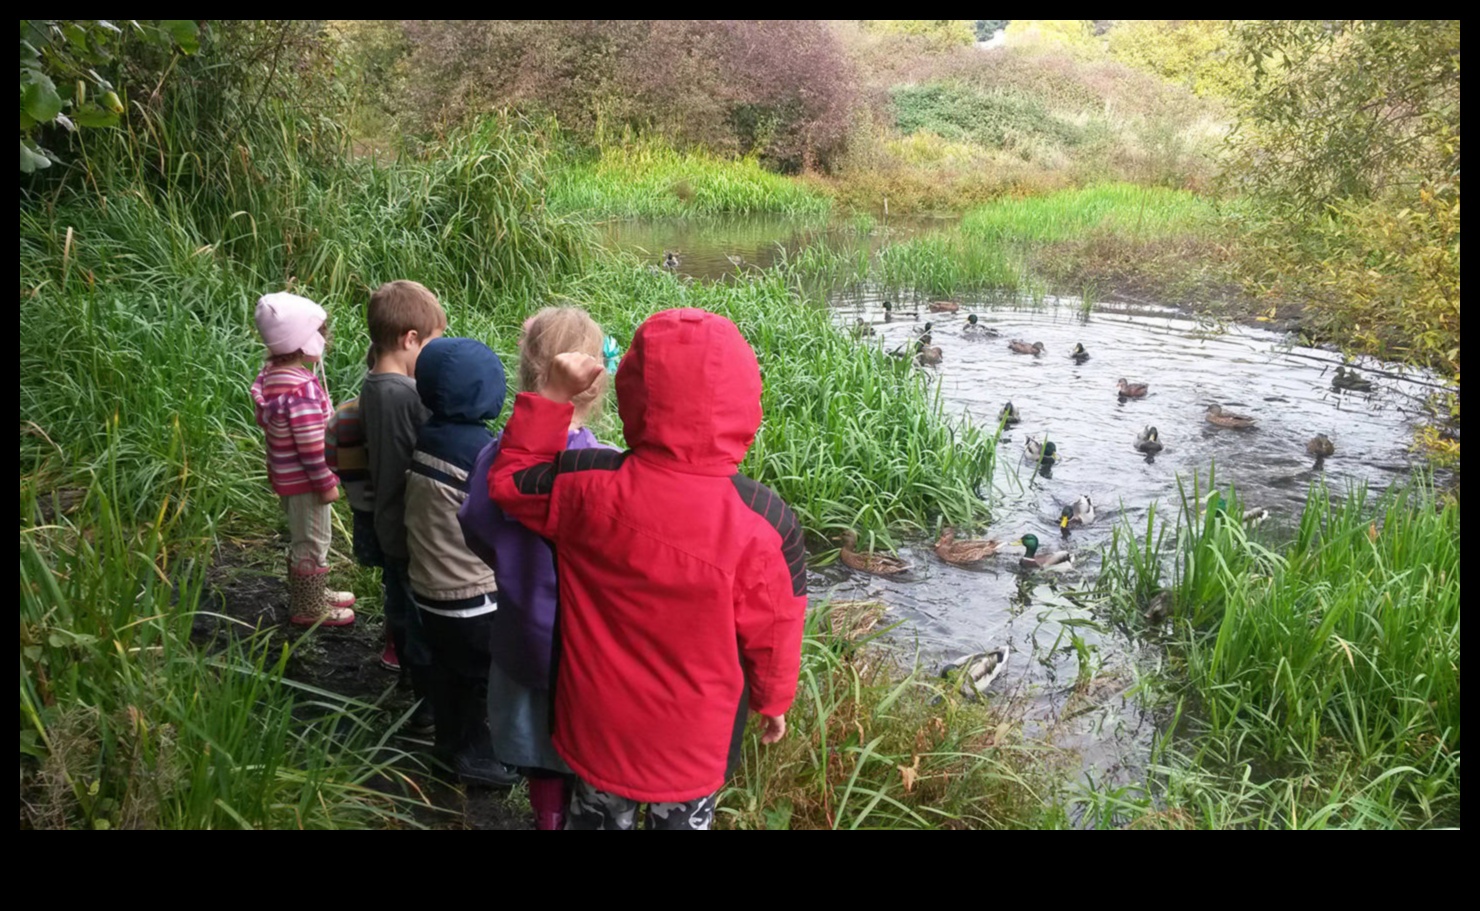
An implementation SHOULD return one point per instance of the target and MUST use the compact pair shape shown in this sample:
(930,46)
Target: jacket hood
(460,380)
(689,392)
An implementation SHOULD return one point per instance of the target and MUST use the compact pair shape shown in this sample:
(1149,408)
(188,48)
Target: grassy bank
(1316,682)
(651,179)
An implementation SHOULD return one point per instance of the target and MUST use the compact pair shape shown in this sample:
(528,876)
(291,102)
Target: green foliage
(1003,119)
(72,52)
(986,28)
(1076,36)
(939,32)
(1200,54)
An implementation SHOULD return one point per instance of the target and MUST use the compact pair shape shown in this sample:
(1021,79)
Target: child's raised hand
(571,374)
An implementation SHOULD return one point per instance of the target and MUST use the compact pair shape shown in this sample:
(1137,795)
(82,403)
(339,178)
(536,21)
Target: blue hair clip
(612,352)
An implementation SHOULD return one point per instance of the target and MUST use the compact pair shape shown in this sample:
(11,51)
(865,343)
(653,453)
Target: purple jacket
(524,569)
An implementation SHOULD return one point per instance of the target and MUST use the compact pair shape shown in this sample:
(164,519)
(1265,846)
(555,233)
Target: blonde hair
(397,308)
(557,330)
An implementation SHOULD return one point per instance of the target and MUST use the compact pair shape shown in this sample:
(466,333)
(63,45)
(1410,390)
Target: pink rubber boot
(548,797)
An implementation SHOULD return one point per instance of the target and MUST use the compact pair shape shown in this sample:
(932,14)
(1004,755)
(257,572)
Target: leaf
(111,101)
(185,32)
(39,97)
(31,157)
(94,116)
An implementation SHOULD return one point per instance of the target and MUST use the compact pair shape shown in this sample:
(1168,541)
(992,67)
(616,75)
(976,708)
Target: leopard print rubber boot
(307,603)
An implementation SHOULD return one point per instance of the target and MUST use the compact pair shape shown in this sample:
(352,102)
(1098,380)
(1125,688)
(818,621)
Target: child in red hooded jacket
(682,582)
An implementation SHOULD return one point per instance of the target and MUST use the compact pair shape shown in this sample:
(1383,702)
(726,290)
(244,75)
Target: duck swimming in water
(1320,446)
(943,307)
(925,355)
(890,313)
(1008,416)
(1077,514)
(1041,451)
(976,327)
(963,553)
(977,670)
(1149,441)
(1345,381)
(1079,354)
(1130,390)
(1217,416)
(923,336)
(863,327)
(670,260)
(1034,560)
(875,563)
(1019,346)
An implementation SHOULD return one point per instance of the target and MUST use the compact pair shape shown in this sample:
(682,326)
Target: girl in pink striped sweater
(293,409)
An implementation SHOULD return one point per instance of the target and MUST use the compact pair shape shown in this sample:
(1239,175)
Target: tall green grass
(646,179)
(1120,209)
(1321,676)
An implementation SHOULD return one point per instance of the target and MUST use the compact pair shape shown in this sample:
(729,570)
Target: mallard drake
(1148,441)
(1077,514)
(923,336)
(863,327)
(927,356)
(1251,516)
(1034,560)
(973,325)
(1130,390)
(878,564)
(963,552)
(943,307)
(735,261)
(890,313)
(1079,354)
(1160,609)
(1008,416)
(1216,415)
(670,259)
(1019,346)
(1041,451)
(1350,381)
(977,670)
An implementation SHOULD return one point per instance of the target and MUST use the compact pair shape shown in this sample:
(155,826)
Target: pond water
(1188,365)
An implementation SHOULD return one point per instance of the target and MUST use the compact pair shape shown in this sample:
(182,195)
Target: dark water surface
(1188,365)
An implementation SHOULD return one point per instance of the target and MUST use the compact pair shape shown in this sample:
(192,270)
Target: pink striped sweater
(293,409)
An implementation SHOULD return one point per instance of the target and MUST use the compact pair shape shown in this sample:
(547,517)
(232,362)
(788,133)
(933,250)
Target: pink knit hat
(290,323)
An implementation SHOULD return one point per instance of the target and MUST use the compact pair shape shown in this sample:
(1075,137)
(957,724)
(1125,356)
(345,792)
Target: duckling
(943,307)
(1019,346)
(977,670)
(890,313)
(1041,451)
(670,259)
(1160,609)
(973,326)
(1320,446)
(1008,416)
(1077,514)
(878,564)
(1130,390)
(863,327)
(1350,381)
(963,553)
(927,356)
(1079,354)
(1148,441)
(1034,560)
(1217,416)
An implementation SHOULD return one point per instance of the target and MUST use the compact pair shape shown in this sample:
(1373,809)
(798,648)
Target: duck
(1079,354)
(1019,346)
(1160,609)
(670,259)
(927,356)
(1251,516)
(963,553)
(1320,446)
(943,307)
(1008,416)
(1217,416)
(1349,381)
(877,564)
(978,669)
(890,313)
(1034,560)
(736,261)
(1130,390)
(973,325)
(863,327)
(1149,441)
(923,336)
(1077,514)
(1041,451)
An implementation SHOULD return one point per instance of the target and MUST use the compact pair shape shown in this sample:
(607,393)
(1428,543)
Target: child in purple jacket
(523,627)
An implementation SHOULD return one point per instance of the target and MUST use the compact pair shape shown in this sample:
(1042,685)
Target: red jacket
(680,579)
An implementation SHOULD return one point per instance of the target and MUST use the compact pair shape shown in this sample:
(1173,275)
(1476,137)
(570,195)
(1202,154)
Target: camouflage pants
(593,809)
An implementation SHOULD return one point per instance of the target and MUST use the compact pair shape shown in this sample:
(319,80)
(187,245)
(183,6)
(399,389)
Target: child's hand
(571,374)
(773,728)
(329,496)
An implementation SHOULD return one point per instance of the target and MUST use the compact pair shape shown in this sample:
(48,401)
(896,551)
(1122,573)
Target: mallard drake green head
(1149,441)
(1041,451)
(1217,416)
(1034,560)
(1252,516)
(1130,390)
(1008,416)
(923,336)
(977,670)
(976,326)
(1077,514)
(1018,346)
(1079,354)
(890,312)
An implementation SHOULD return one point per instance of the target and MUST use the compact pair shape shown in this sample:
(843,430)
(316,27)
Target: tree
(986,28)
(1201,54)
